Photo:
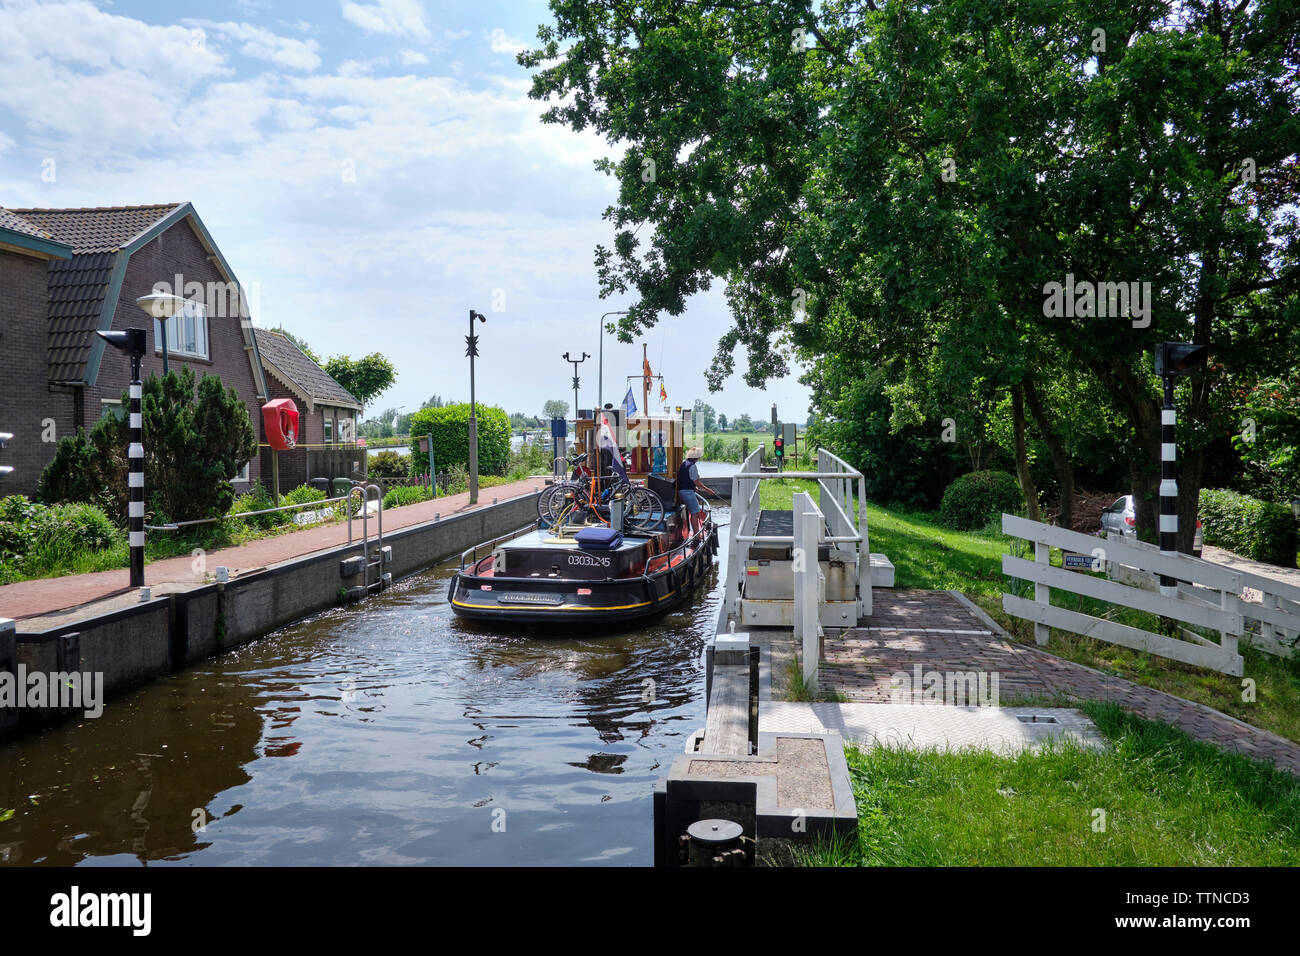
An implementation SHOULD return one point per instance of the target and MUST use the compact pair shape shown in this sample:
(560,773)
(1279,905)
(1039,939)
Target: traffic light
(779,447)
(1180,358)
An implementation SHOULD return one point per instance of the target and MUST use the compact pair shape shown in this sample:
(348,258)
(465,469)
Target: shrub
(1259,530)
(405,495)
(36,538)
(195,439)
(257,499)
(972,499)
(389,464)
(448,428)
(532,458)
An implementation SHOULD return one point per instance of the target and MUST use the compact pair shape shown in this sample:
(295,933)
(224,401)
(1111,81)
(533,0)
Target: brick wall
(178,251)
(29,407)
(309,460)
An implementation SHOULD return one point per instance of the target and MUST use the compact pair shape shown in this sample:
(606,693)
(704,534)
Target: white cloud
(413,58)
(501,43)
(262,44)
(398,17)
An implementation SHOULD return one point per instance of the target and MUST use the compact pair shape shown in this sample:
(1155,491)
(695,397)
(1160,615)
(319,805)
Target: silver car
(1121,519)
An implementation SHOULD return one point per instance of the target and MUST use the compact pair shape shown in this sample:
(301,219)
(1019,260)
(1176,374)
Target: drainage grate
(1036,719)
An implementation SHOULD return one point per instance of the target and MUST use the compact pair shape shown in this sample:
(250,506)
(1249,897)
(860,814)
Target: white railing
(1207,595)
(744,521)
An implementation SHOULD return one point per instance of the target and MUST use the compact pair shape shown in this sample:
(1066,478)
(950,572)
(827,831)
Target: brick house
(327,415)
(66,273)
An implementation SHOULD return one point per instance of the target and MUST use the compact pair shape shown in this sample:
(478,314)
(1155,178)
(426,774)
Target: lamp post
(575,363)
(162,307)
(133,343)
(600,374)
(471,349)
(1172,360)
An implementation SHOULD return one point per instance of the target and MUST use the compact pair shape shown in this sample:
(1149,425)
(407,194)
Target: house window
(187,332)
(242,474)
(347,430)
(111,406)
(329,428)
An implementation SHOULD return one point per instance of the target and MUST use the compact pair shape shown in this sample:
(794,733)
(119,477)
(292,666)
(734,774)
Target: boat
(549,574)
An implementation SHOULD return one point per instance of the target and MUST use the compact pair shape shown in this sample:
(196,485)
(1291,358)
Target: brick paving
(937,631)
(28,599)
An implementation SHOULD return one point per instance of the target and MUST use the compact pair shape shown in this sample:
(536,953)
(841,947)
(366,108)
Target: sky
(371,170)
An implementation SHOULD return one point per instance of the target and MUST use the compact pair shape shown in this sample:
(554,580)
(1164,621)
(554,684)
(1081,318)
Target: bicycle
(593,497)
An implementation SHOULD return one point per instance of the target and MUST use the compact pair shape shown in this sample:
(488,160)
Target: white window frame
(114,405)
(187,332)
(328,432)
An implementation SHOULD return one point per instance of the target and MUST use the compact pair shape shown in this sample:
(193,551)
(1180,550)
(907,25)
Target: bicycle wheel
(642,509)
(557,500)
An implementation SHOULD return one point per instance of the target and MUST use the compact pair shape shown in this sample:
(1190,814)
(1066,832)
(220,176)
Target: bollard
(712,843)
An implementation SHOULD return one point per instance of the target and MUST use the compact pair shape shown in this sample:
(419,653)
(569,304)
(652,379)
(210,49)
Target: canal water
(388,732)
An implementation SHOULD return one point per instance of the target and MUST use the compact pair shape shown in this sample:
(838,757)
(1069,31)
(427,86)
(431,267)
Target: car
(1121,519)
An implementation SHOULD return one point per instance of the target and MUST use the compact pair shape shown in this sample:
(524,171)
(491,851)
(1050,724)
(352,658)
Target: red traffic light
(779,446)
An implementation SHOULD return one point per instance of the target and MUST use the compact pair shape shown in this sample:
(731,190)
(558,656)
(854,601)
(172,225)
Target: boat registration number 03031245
(524,597)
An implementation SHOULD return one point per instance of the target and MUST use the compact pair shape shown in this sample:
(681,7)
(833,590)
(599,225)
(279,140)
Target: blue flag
(629,404)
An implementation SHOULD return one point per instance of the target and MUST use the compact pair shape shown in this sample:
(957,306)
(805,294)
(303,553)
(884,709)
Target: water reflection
(386,733)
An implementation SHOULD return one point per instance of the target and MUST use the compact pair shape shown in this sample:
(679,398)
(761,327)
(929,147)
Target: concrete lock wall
(134,644)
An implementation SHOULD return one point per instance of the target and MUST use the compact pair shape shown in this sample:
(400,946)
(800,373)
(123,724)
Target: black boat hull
(535,600)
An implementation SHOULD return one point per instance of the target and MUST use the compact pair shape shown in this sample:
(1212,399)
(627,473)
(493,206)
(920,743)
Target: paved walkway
(28,599)
(942,632)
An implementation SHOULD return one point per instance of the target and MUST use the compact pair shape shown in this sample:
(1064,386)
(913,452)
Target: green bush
(972,499)
(36,538)
(1259,530)
(257,499)
(449,428)
(405,495)
(389,464)
(195,439)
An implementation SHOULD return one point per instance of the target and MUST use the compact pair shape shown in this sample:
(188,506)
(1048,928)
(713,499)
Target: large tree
(893,183)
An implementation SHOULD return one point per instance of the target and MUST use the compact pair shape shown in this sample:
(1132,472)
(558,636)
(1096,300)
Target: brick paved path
(939,632)
(31,598)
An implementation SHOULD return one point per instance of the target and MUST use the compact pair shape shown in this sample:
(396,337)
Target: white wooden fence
(1209,595)
(1272,623)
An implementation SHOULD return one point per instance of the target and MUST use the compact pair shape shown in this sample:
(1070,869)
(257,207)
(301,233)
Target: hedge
(973,499)
(1259,530)
(449,428)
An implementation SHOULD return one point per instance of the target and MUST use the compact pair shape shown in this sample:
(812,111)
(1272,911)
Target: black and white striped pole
(133,343)
(1172,359)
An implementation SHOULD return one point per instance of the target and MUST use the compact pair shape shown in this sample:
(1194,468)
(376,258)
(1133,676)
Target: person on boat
(688,479)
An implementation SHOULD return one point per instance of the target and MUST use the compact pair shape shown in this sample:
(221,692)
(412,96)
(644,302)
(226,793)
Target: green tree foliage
(703,418)
(195,441)
(366,377)
(877,182)
(1259,530)
(555,409)
(449,428)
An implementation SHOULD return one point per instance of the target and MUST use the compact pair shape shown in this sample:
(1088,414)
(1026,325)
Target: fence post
(806,605)
(1042,593)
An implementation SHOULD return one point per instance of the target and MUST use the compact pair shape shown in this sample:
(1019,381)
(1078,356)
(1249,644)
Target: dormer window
(187,332)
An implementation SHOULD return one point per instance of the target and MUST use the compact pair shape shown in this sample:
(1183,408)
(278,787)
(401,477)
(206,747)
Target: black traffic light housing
(1180,358)
(779,447)
(132,341)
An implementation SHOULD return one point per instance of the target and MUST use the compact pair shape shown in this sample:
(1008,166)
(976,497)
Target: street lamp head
(161,305)
(131,341)
(476,315)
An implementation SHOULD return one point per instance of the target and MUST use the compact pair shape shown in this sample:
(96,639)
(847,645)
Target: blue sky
(372,169)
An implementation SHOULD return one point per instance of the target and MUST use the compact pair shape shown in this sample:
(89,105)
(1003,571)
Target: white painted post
(1042,593)
(1231,605)
(807,610)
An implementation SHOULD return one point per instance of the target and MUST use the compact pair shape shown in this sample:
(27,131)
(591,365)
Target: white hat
(695,452)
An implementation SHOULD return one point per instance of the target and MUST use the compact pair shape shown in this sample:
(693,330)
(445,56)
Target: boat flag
(663,394)
(629,403)
(608,441)
(649,376)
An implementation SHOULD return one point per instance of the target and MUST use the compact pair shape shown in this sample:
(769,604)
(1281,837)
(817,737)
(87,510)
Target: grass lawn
(1168,800)
(928,555)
